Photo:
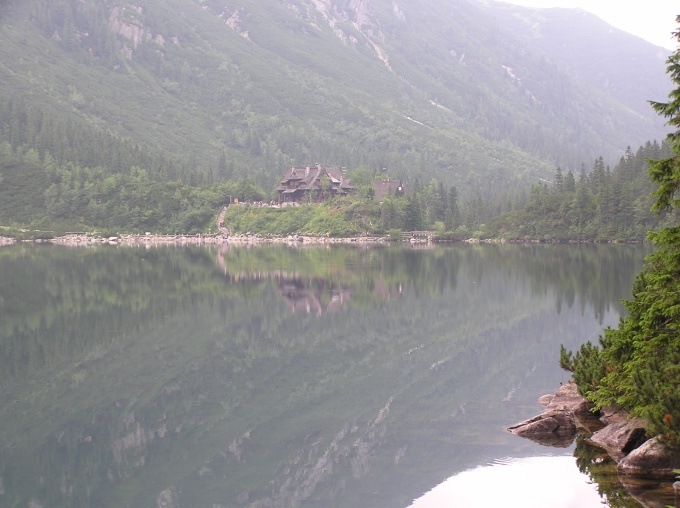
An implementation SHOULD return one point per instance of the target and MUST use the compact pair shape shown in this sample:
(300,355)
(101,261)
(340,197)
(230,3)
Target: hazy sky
(653,20)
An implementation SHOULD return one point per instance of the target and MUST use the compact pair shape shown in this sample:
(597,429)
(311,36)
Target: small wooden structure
(394,188)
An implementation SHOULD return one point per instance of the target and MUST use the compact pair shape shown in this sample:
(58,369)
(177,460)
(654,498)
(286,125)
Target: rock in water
(557,425)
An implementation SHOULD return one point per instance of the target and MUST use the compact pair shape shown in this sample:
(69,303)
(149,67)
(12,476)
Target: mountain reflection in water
(180,377)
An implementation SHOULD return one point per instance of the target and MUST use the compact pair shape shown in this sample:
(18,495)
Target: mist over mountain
(484,96)
(619,64)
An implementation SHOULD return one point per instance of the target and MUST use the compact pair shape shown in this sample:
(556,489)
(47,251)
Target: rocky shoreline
(223,238)
(151,240)
(622,437)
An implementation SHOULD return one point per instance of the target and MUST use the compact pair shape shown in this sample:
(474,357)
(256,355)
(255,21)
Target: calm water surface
(276,377)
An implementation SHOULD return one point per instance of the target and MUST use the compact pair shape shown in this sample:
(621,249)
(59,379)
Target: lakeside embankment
(151,240)
(87,239)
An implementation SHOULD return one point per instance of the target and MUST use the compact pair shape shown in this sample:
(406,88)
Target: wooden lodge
(312,184)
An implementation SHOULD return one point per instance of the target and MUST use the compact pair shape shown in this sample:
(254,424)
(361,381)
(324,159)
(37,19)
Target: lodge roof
(388,187)
(307,178)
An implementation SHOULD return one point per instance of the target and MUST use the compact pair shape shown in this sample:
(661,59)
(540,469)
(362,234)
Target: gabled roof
(388,187)
(306,178)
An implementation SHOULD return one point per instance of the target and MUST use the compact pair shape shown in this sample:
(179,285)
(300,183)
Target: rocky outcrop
(615,431)
(621,435)
(127,22)
(565,412)
(652,458)
(625,440)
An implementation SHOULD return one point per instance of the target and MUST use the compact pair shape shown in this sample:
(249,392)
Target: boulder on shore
(621,434)
(564,412)
(651,459)
(622,437)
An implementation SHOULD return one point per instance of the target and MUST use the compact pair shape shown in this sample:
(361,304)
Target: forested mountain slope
(203,90)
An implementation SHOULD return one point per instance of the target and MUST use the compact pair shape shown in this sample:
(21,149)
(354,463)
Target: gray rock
(557,425)
(555,429)
(545,400)
(621,435)
(651,459)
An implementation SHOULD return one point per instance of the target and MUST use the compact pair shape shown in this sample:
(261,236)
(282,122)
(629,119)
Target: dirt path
(220,222)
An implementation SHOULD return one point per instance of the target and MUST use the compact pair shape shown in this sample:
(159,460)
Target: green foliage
(637,365)
(604,205)
(315,219)
(642,356)
(200,108)
(354,215)
(40,192)
(586,366)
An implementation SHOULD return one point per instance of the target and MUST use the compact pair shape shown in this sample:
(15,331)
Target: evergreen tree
(559,181)
(453,211)
(637,365)
(441,203)
(598,176)
(413,217)
(583,204)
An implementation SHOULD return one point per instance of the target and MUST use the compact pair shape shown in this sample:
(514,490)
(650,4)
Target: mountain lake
(338,376)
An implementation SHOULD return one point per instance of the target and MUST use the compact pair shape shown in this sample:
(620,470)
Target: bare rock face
(625,440)
(545,400)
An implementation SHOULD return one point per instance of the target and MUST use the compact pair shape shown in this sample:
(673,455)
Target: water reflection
(305,291)
(531,482)
(549,481)
(622,491)
(180,377)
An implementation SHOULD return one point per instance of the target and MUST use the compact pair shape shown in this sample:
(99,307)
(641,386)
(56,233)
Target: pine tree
(637,365)
(413,215)
(453,211)
(559,181)
(441,202)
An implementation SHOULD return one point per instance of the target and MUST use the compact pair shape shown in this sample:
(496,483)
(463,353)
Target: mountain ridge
(243,88)
(622,63)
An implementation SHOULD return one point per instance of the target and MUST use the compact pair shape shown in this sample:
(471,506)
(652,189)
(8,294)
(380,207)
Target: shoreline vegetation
(601,206)
(12,236)
(635,366)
